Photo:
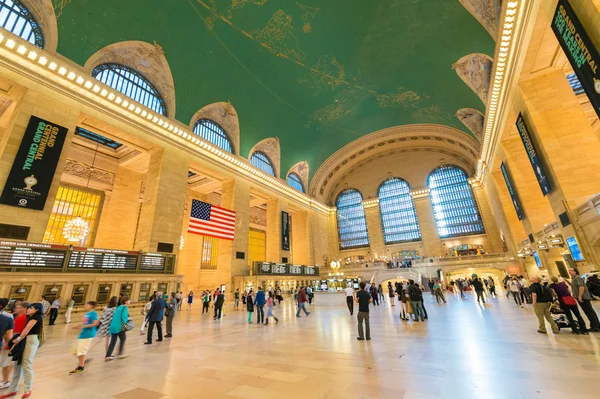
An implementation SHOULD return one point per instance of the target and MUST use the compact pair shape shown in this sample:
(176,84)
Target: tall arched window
(262,162)
(295,181)
(16,18)
(454,206)
(351,220)
(132,84)
(212,132)
(398,216)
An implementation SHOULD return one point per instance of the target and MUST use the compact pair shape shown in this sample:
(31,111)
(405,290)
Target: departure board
(25,255)
(102,260)
(152,262)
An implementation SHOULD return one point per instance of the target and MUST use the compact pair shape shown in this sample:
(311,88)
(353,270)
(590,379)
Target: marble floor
(465,350)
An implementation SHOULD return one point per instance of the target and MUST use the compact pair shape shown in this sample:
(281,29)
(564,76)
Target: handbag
(569,300)
(42,337)
(127,326)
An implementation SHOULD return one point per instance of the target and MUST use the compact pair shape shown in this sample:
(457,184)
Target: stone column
(235,196)
(163,206)
(491,228)
(275,253)
(375,230)
(120,212)
(301,253)
(63,114)
(432,245)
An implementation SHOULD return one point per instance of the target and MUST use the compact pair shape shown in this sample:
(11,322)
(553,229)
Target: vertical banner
(536,163)
(579,49)
(511,190)
(285,231)
(33,169)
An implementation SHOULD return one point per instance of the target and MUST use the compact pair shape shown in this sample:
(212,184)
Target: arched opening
(351,220)
(212,132)
(397,209)
(262,162)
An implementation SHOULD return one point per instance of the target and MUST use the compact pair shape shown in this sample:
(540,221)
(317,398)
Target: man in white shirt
(515,289)
(350,299)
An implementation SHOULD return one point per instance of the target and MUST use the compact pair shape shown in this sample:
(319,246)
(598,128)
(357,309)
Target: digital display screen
(574,248)
(538,261)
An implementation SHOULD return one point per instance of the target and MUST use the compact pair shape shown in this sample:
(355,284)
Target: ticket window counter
(103,293)
(162,287)
(79,294)
(20,292)
(125,290)
(52,292)
(144,292)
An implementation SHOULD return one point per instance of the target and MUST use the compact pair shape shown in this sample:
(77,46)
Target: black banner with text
(33,169)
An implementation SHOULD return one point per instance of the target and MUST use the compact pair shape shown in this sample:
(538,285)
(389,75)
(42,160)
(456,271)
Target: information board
(22,255)
(511,190)
(33,169)
(532,154)
(284,269)
(152,262)
(101,260)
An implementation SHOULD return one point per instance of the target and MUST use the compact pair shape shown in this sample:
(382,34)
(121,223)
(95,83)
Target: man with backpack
(542,301)
(416,298)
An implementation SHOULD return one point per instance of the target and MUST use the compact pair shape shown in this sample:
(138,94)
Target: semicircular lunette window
(132,84)
(262,162)
(397,209)
(351,220)
(16,18)
(212,132)
(454,206)
(294,181)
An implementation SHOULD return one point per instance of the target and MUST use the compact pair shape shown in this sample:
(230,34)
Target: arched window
(262,162)
(132,84)
(16,18)
(398,216)
(351,220)
(295,181)
(454,207)
(213,133)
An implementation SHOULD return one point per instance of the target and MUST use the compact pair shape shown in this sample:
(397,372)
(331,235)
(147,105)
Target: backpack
(546,294)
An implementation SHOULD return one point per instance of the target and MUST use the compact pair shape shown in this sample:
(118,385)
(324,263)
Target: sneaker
(4,385)
(542,332)
(109,358)
(77,370)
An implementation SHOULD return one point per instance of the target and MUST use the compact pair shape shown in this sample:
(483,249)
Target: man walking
(236,299)
(54,311)
(350,299)
(581,292)
(155,317)
(45,306)
(302,299)
(461,288)
(478,289)
(515,290)
(219,305)
(541,297)
(416,298)
(363,298)
(259,304)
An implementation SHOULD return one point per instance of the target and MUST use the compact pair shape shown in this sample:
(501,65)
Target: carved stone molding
(271,148)
(225,115)
(148,59)
(472,119)
(43,12)
(5,102)
(421,136)
(475,70)
(255,219)
(485,12)
(301,169)
(80,169)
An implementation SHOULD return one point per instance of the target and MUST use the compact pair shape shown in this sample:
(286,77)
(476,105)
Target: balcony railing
(35,257)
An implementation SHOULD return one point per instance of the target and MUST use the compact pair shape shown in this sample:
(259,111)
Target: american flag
(211,220)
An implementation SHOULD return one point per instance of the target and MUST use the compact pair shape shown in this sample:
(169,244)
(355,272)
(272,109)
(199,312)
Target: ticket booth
(20,292)
(103,294)
(79,293)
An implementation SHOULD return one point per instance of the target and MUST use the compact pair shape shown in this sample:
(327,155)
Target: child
(87,334)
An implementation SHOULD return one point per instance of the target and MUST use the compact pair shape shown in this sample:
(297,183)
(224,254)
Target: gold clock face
(30,181)
(597,85)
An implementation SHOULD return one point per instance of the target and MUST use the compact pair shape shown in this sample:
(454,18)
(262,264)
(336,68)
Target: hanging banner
(285,231)
(536,163)
(579,49)
(511,190)
(33,169)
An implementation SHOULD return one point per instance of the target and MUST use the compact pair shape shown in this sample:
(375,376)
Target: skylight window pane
(16,18)
(351,220)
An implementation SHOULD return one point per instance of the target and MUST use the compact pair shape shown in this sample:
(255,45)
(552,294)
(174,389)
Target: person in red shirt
(302,299)
(19,313)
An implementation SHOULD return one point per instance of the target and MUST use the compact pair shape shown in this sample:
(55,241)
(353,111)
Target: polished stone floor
(464,351)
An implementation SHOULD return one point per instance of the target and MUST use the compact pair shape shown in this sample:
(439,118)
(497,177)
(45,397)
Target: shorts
(83,345)
(5,359)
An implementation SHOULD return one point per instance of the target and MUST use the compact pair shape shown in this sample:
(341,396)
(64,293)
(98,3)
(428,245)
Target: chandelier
(76,230)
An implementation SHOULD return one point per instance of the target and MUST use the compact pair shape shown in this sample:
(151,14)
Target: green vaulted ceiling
(315,73)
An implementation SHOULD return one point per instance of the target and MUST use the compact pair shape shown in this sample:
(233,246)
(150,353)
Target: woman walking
(270,304)
(250,305)
(29,340)
(70,306)
(105,320)
(391,293)
(568,305)
(190,300)
(118,329)
(403,299)
(439,294)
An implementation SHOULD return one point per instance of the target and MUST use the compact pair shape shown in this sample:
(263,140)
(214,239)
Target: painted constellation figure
(401,97)
(345,105)
(278,35)
(237,4)
(309,14)
(327,73)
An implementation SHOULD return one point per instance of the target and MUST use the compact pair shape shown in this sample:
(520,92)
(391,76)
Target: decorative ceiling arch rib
(147,59)
(225,115)
(425,137)
(475,70)
(270,146)
(301,169)
(472,119)
(486,12)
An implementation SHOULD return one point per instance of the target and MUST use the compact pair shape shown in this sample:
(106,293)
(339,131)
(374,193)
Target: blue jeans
(301,307)
(260,314)
(418,308)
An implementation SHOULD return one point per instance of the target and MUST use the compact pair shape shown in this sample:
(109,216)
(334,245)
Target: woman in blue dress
(190,300)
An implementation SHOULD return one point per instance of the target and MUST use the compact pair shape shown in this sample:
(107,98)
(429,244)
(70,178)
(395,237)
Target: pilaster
(275,252)
(432,245)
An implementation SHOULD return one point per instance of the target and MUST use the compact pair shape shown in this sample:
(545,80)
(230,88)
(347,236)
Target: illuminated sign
(532,154)
(511,190)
